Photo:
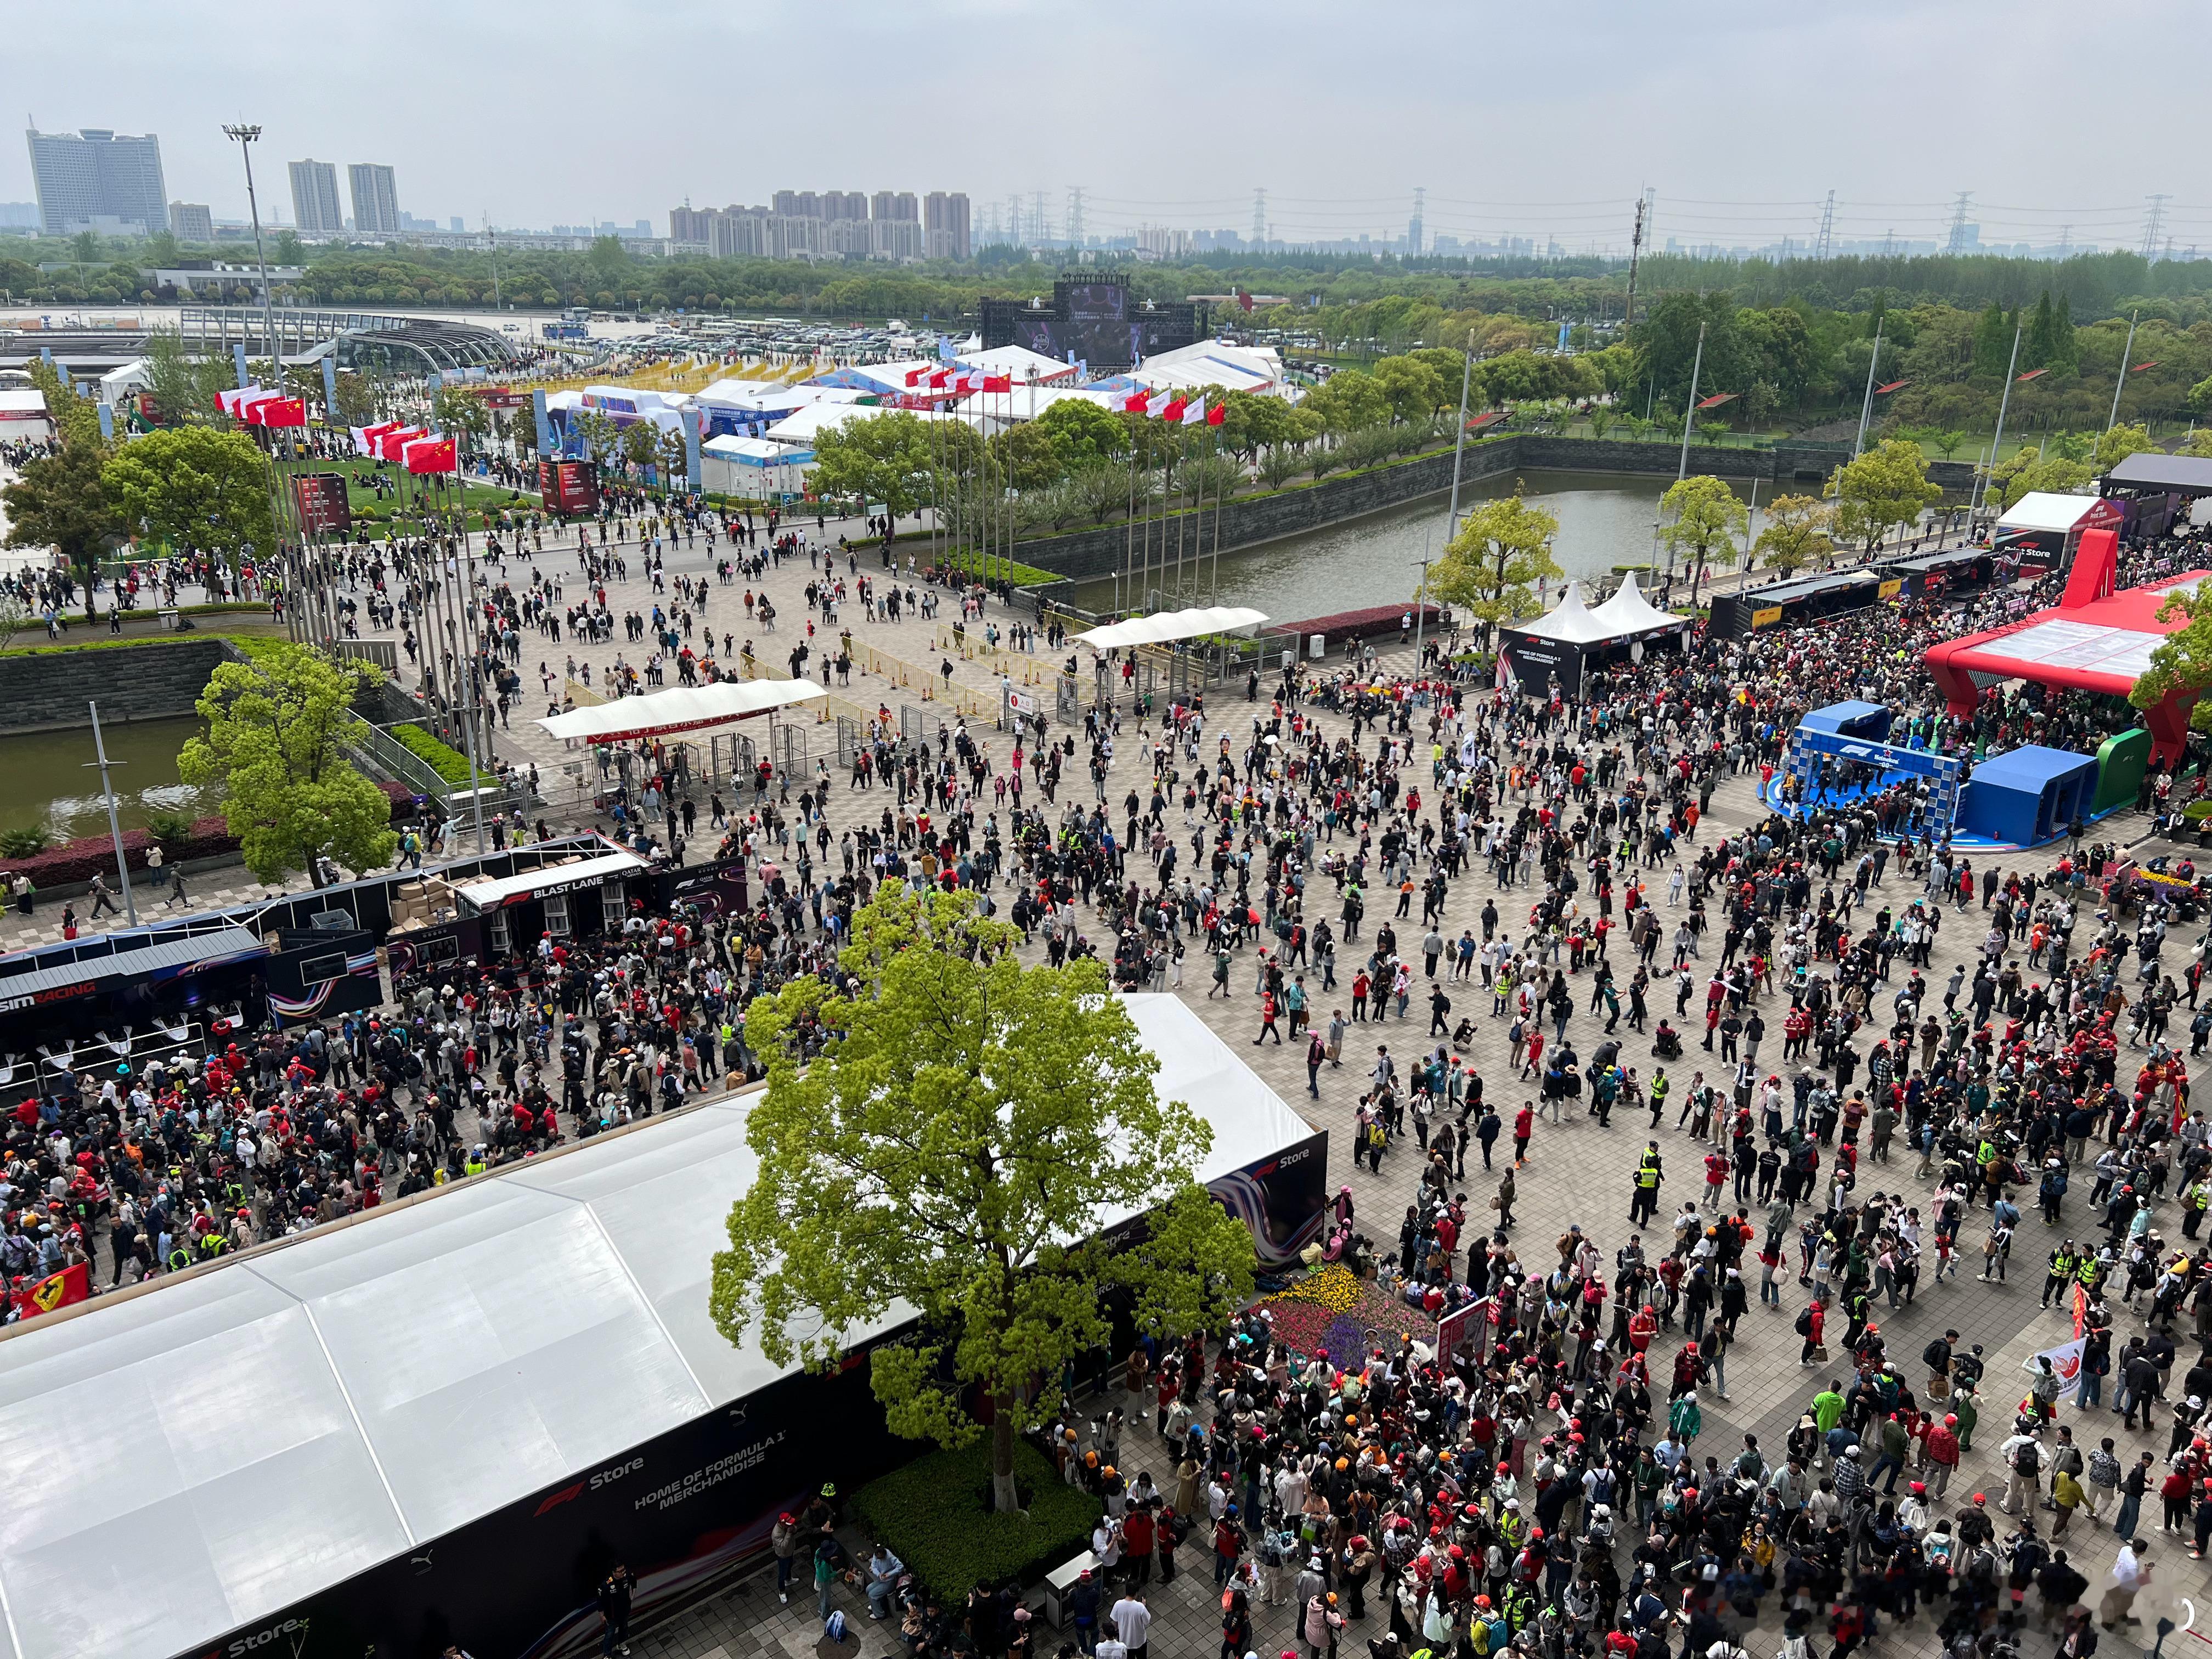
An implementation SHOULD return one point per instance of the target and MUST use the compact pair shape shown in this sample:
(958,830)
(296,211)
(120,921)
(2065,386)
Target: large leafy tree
(1884,488)
(180,387)
(1795,533)
(272,748)
(62,500)
(192,486)
(967,1129)
(1350,399)
(1491,567)
(2035,467)
(1707,515)
(889,460)
(1082,432)
(1666,343)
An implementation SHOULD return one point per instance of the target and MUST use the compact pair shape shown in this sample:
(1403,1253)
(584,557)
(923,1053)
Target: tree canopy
(272,748)
(194,487)
(1707,515)
(1491,567)
(967,1127)
(1884,488)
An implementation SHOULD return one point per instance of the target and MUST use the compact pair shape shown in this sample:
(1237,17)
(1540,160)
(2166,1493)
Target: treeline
(1347,300)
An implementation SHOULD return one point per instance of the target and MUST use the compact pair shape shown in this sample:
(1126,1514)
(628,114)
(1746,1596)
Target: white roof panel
(680,708)
(2045,510)
(490,895)
(2091,646)
(1165,627)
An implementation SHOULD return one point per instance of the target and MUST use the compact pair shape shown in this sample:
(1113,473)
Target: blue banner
(544,424)
(331,389)
(107,421)
(694,480)
(238,359)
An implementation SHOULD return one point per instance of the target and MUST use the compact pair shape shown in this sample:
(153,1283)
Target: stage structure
(1811,747)
(1092,319)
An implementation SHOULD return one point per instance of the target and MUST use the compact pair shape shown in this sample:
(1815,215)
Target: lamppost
(245,136)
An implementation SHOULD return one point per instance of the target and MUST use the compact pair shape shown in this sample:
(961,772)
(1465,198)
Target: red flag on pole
(1173,412)
(281,411)
(913,376)
(997,383)
(393,444)
(1218,413)
(937,380)
(432,455)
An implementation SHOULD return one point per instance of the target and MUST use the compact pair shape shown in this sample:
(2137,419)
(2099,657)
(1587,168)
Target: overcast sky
(1532,119)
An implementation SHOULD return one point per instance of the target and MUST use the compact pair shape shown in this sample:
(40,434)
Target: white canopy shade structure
(1213,363)
(1629,612)
(197,1457)
(1169,626)
(685,709)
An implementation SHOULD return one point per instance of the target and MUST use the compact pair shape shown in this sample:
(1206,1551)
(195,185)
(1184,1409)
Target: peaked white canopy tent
(1573,637)
(685,709)
(1166,627)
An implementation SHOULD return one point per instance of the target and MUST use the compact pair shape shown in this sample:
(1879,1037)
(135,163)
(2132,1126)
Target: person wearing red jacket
(1943,1448)
(1815,1325)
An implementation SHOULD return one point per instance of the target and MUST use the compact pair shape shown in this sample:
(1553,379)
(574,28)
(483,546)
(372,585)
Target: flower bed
(1333,1308)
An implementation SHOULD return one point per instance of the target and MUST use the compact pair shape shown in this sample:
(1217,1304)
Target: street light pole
(1459,441)
(1420,604)
(1866,403)
(114,826)
(1981,493)
(245,136)
(2121,379)
(1690,412)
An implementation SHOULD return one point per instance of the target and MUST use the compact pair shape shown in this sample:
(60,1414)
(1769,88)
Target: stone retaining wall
(45,690)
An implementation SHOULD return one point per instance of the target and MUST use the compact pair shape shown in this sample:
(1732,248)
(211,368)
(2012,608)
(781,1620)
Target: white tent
(1023,364)
(1171,625)
(1629,612)
(2048,511)
(1213,363)
(805,427)
(685,709)
(1026,403)
(1571,620)
(195,1455)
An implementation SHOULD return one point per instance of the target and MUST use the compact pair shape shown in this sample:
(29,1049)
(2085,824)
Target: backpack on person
(1804,1326)
(2026,1461)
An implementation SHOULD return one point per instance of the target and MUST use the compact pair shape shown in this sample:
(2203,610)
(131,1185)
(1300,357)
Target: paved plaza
(1578,1172)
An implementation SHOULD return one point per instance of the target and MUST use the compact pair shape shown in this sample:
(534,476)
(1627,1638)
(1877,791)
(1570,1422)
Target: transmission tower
(2154,224)
(1259,218)
(2065,241)
(1036,205)
(1413,230)
(1825,246)
(1014,221)
(1958,243)
(1075,215)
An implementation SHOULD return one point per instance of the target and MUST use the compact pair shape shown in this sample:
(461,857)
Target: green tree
(1349,400)
(601,434)
(2030,468)
(272,748)
(75,418)
(1082,432)
(2039,349)
(84,248)
(1993,339)
(958,1144)
(1414,390)
(1491,567)
(1795,533)
(1887,485)
(1707,515)
(2121,441)
(180,387)
(2182,659)
(289,250)
(61,500)
(1024,457)
(610,261)
(462,414)
(194,487)
(1665,341)
(1949,442)
(891,459)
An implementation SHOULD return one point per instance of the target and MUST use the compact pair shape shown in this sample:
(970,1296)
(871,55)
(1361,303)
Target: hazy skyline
(1518,121)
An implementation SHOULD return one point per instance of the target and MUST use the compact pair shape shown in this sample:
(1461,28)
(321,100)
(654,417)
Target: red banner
(321,499)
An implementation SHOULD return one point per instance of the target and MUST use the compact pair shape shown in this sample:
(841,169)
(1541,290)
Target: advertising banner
(569,487)
(320,500)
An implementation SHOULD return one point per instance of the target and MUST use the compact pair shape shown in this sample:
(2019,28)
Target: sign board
(1890,588)
(569,487)
(1022,702)
(320,498)
(1767,616)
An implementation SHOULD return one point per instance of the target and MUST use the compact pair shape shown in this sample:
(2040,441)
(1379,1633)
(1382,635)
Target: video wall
(1093,319)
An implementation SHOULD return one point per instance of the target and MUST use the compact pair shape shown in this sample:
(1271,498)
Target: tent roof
(770,394)
(750,449)
(1020,362)
(1570,621)
(2031,766)
(1019,405)
(2043,509)
(684,709)
(1629,612)
(487,895)
(1167,626)
(191,1455)
(2149,470)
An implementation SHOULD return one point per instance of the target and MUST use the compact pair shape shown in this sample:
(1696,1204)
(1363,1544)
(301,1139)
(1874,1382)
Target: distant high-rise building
(95,174)
(844,204)
(22,216)
(315,207)
(945,225)
(375,199)
(191,222)
(456,225)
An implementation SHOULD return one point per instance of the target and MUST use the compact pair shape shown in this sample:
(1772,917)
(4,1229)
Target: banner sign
(320,498)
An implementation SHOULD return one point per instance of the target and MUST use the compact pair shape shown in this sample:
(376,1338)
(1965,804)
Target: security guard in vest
(2061,1274)
(1649,1174)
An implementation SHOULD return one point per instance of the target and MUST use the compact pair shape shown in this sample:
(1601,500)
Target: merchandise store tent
(685,709)
(2045,527)
(1169,626)
(436,1422)
(1571,638)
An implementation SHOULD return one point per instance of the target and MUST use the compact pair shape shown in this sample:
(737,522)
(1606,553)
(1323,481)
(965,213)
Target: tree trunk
(1003,1498)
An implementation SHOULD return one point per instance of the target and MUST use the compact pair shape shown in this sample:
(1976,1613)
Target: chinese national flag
(997,383)
(56,1291)
(937,380)
(434,457)
(1218,413)
(281,411)
(913,376)
(393,444)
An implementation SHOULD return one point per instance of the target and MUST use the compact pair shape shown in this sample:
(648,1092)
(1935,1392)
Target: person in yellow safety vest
(475,1164)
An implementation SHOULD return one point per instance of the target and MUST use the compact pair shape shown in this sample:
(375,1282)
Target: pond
(51,786)
(1604,518)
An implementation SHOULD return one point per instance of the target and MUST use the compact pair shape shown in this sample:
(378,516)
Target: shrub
(936,1514)
(24,843)
(442,758)
(167,828)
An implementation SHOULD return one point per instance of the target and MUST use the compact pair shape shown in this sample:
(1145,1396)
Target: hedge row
(447,761)
(935,1513)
